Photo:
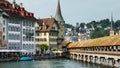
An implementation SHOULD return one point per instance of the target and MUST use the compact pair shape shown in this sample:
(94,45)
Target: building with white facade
(18,27)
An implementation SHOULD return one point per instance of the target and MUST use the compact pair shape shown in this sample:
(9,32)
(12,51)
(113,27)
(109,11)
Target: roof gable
(47,23)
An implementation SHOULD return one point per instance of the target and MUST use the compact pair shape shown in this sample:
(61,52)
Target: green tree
(117,25)
(82,25)
(43,46)
(104,23)
(92,23)
(96,33)
(99,32)
(106,32)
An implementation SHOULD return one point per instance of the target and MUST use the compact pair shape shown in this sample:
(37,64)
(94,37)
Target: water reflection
(54,63)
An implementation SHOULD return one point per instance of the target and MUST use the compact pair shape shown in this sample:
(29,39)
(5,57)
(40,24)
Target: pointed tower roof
(14,2)
(111,26)
(58,15)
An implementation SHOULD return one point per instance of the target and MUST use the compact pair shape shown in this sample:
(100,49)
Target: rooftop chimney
(14,3)
(21,4)
(51,16)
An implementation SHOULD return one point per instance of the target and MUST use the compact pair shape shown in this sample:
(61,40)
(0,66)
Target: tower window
(3,22)
(3,29)
(3,37)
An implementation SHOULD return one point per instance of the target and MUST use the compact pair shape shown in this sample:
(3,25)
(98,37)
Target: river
(51,63)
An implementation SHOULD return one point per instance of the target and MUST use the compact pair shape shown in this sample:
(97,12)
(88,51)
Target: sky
(74,10)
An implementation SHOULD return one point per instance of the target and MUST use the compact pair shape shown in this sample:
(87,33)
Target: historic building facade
(47,30)
(51,31)
(2,43)
(18,27)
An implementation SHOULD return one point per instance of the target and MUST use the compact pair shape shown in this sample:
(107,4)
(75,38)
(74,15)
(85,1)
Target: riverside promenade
(10,56)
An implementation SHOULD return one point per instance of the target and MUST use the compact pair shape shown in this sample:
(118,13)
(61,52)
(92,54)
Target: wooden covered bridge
(105,50)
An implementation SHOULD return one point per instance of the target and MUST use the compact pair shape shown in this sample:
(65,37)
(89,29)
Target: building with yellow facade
(47,32)
(50,31)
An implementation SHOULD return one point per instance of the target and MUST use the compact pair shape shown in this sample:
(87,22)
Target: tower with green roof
(61,22)
(59,18)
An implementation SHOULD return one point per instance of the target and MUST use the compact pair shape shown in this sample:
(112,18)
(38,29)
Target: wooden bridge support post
(106,61)
(93,59)
(88,60)
(77,56)
(84,58)
(99,60)
(73,56)
(115,62)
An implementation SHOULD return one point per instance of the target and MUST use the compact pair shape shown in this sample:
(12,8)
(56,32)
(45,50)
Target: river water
(52,63)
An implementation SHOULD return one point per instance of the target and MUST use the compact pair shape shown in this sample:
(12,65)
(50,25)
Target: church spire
(111,26)
(58,15)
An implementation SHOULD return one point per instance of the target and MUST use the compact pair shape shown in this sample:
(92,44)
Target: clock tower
(61,22)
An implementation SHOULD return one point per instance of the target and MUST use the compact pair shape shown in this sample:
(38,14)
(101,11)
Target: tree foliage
(43,46)
(105,23)
(68,26)
(82,25)
(99,32)
(117,25)
(101,28)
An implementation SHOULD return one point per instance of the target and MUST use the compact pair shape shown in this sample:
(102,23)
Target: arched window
(24,23)
(9,45)
(14,29)
(32,24)
(32,39)
(12,36)
(23,46)
(26,46)
(24,38)
(32,46)
(32,31)
(23,31)
(17,29)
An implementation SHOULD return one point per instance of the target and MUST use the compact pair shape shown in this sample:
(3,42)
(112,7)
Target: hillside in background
(100,28)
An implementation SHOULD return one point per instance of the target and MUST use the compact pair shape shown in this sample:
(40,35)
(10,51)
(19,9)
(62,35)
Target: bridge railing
(97,52)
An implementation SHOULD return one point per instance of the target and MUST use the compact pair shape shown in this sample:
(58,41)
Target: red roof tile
(17,11)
